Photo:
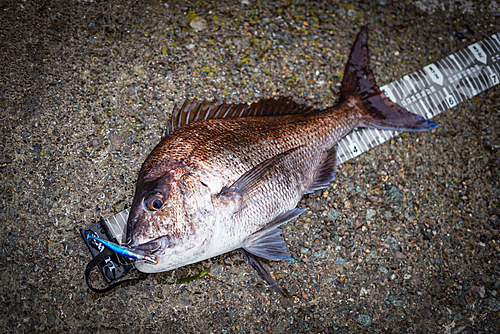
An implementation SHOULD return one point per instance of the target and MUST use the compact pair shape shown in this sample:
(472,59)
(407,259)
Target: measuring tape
(435,88)
(427,92)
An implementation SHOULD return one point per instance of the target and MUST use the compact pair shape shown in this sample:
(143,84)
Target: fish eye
(154,202)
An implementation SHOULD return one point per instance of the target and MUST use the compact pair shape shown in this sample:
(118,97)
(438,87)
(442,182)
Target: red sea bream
(230,174)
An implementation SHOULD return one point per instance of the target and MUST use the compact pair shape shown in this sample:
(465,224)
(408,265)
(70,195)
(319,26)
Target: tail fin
(378,112)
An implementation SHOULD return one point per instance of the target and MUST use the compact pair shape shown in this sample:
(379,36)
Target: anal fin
(327,172)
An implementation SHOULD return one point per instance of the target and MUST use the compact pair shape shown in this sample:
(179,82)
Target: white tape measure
(427,92)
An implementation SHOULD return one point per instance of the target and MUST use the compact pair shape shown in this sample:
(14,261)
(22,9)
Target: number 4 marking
(353,147)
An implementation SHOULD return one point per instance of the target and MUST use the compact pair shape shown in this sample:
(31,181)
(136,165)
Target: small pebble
(321,254)
(479,289)
(198,23)
(364,292)
(333,214)
(400,255)
(370,213)
(398,303)
(305,251)
(394,195)
(383,270)
(364,320)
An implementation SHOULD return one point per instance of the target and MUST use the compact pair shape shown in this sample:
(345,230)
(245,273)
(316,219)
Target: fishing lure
(126,251)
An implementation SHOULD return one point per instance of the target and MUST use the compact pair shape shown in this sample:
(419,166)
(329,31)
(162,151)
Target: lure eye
(154,202)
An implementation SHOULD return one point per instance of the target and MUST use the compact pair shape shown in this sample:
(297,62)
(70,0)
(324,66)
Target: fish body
(229,175)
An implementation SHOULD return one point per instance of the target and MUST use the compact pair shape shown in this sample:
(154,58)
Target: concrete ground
(404,240)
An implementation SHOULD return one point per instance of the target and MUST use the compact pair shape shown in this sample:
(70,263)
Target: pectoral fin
(255,180)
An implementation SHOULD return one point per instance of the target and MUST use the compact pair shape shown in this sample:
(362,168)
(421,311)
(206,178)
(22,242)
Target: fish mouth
(150,246)
(153,245)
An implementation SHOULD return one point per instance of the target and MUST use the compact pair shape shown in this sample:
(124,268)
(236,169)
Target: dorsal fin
(194,110)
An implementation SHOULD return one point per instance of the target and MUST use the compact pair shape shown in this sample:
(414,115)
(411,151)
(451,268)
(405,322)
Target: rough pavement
(404,240)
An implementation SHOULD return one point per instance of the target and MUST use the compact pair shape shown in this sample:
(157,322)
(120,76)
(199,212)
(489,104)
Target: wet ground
(404,240)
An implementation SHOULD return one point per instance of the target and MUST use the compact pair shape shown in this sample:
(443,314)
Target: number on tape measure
(451,101)
(354,149)
(434,73)
(494,79)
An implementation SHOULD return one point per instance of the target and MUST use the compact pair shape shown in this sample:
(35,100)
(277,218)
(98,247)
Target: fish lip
(150,246)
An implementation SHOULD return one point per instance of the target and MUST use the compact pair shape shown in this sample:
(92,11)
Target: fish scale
(239,149)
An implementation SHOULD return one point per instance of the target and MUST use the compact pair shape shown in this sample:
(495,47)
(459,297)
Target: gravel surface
(404,240)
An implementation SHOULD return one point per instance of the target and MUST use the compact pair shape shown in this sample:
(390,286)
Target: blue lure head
(132,253)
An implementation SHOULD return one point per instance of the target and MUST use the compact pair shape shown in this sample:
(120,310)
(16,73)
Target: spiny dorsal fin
(194,110)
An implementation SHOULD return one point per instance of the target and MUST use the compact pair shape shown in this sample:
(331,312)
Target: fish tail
(377,110)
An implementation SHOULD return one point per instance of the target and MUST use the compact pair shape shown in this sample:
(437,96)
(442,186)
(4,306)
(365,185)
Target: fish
(227,176)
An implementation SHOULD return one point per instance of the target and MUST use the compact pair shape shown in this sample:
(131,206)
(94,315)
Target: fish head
(171,217)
